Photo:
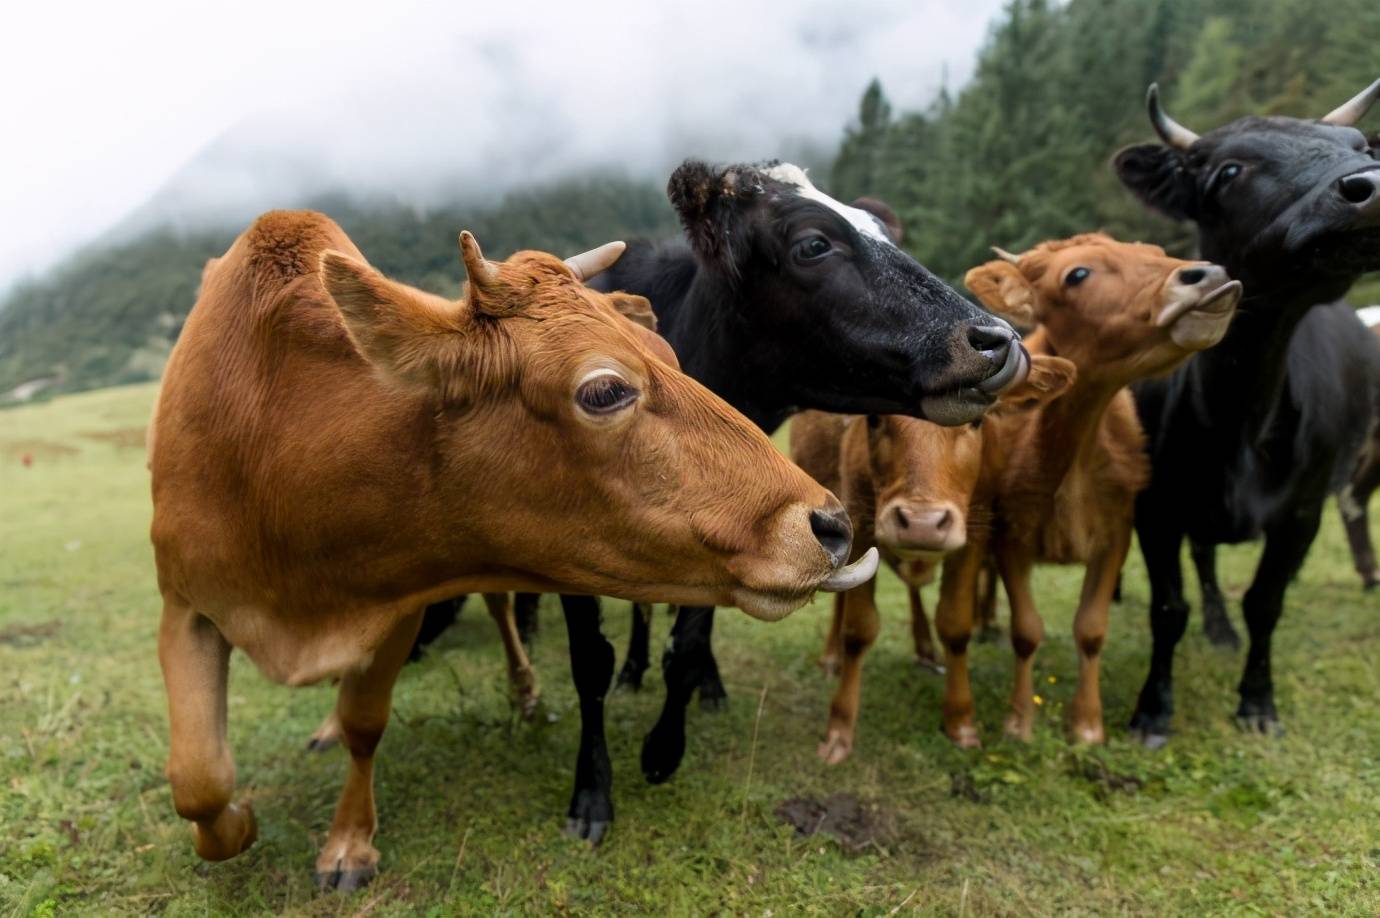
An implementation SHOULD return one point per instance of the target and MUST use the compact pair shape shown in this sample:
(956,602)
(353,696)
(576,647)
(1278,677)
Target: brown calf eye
(1076,277)
(605,394)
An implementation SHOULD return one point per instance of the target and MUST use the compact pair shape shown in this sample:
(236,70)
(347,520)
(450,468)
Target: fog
(122,116)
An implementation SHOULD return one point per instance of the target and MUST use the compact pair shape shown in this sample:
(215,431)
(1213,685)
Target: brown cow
(1062,483)
(906,484)
(334,450)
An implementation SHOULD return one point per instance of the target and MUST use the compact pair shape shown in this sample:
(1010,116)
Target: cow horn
(481,271)
(1005,255)
(1170,131)
(587,264)
(1354,109)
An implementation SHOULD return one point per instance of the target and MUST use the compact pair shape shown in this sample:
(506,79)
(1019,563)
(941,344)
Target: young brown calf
(907,485)
(1064,476)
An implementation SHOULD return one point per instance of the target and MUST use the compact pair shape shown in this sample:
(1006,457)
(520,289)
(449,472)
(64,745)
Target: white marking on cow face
(861,220)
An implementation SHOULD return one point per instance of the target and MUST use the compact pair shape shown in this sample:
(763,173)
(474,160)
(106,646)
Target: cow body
(1250,438)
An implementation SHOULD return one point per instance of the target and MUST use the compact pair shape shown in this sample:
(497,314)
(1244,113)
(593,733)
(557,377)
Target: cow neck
(1067,426)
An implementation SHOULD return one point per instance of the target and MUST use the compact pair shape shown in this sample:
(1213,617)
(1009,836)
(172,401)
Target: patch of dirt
(129,437)
(1105,780)
(855,824)
(29,635)
(36,449)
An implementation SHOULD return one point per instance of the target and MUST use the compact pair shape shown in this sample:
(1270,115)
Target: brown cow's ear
(634,308)
(1003,289)
(1049,378)
(395,328)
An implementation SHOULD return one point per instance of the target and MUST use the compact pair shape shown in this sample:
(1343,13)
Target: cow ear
(634,308)
(1003,289)
(1049,378)
(398,330)
(710,202)
(884,213)
(1159,176)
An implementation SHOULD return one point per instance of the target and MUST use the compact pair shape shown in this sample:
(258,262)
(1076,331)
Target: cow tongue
(852,575)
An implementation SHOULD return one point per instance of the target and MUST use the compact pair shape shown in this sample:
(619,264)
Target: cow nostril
(833,532)
(1191,276)
(945,519)
(902,518)
(1359,188)
(992,340)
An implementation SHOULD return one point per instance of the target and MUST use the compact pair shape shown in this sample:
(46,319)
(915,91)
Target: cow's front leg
(683,665)
(195,658)
(522,678)
(1090,632)
(1027,633)
(348,859)
(861,624)
(1216,624)
(591,666)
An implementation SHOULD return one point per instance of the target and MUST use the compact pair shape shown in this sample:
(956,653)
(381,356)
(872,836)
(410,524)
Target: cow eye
(812,248)
(1076,277)
(1227,173)
(605,394)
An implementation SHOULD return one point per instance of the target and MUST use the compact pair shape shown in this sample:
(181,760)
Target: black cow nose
(993,341)
(834,532)
(1360,187)
(1191,276)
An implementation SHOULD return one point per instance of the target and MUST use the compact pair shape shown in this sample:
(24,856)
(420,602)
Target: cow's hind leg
(637,661)
(833,643)
(1286,545)
(925,655)
(1354,502)
(591,667)
(348,859)
(195,658)
(683,664)
(525,607)
(1160,543)
(522,679)
(1216,625)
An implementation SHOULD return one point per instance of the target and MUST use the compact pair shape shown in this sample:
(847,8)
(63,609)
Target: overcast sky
(252,104)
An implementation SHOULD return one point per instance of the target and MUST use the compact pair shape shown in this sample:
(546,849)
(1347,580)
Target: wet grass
(472,802)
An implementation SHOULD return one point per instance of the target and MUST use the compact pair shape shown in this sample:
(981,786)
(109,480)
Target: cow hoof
(1262,724)
(837,747)
(662,751)
(930,665)
(327,735)
(232,833)
(964,736)
(344,881)
(1369,582)
(630,677)
(713,704)
(592,831)
(318,744)
(1151,730)
(1019,728)
(1222,635)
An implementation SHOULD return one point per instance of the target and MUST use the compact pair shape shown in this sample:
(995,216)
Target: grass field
(472,803)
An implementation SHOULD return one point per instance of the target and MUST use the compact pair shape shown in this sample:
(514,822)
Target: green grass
(472,803)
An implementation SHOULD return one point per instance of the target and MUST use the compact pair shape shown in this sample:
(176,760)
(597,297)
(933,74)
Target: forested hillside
(1022,152)
(110,315)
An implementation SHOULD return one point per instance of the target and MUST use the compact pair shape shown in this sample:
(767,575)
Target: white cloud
(271,100)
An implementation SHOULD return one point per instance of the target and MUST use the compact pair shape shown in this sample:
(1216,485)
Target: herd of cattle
(333,451)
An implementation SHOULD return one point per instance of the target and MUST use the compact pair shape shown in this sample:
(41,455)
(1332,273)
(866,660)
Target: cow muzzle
(993,348)
(1200,302)
(911,529)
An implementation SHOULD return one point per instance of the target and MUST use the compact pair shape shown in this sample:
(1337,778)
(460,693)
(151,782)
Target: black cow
(1248,439)
(779,298)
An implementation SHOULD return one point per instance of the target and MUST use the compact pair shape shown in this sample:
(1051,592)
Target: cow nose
(1360,187)
(1210,277)
(1191,276)
(834,533)
(991,341)
(925,522)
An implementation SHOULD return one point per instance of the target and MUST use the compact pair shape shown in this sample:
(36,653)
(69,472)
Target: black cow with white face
(1249,438)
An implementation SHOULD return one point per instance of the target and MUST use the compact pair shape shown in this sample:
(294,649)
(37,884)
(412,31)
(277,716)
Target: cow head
(1291,207)
(923,475)
(571,455)
(852,322)
(1120,311)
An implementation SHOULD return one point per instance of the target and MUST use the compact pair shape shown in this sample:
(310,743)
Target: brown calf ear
(634,308)
(393,327)
(1003,289)
(1049,378)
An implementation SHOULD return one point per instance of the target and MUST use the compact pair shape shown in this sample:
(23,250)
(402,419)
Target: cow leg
(1216,624)
(683,666)
(1160,541)
(833,644)
(713,696)
(988,631)
(1286,545)
(861,623)
(348,859)
(525,614)
(1354,502)
(591,667)
(522,679)
(1027,633)
(637,661)
(1090,632)
(925,656)
(953,620)
(195,658)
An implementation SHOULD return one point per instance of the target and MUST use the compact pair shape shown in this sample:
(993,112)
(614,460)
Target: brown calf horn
(1170,131)
(481,271)
(1355,108)
(1005,255)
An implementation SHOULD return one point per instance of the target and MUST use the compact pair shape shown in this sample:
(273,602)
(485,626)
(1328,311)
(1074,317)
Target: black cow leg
(683,664)
(639,657)
(713,696)
(1168,618)
(525,613)
(591,666)
(1216,624)
(1286,545)
(435,620)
